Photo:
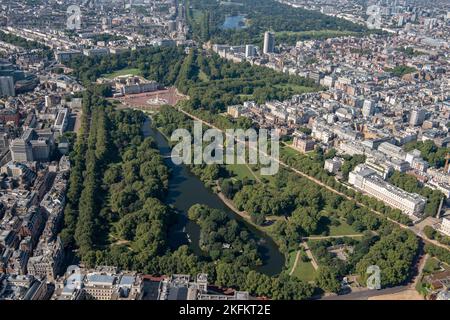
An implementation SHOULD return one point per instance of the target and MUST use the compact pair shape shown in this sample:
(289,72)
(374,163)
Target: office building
(392,150)
(47,260)
(180,287)
(250,51)
(21,148)
(66,56)
(417,117)
(269,42)
(9,114)
(40,149)
(102,283)
(368,108)
(21,287)
(31,147)
(445,226)
(61,121)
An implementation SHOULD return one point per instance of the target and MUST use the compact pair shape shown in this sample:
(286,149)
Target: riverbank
(186,190)
(228,202)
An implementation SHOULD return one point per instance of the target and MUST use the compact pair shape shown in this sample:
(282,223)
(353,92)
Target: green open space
(303,270)
(343,229)
(241,171)
(122,72)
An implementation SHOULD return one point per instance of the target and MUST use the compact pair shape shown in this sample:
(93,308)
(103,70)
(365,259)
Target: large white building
(391,150)
(129,84)
(250,51)
(367,180)
(61,121)
(445,226)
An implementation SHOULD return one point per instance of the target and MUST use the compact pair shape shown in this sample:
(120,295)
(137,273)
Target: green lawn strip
(303,270)
(122,72)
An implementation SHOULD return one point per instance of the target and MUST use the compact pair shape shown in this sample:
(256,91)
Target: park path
(333,237)
(297,257)
(421,266)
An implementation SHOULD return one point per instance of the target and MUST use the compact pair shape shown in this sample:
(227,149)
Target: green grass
(203,76)
(298,89)
(289,151)
(241,171)
(400,71)
(132,71)
(343,229)
(303,271)
(431,266)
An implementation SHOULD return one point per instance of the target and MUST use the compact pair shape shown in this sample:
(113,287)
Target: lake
(185,190)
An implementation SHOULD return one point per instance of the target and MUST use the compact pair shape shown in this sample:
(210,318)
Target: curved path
(297,257)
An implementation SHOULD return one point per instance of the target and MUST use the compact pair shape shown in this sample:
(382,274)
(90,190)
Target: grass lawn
(133,71)
(289,151)
(294,87)
(197,15)
(431,266)
(304,270)
(241,171)
(343,229)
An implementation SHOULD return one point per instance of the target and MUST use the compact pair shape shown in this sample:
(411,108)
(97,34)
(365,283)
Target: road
(418,233)
(366,294)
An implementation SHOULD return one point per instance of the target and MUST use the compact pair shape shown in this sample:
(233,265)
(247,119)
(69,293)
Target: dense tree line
(76,174)
(394,254)
(115,186)
(331,268)
(433,234)
(224,239)
(438,252)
